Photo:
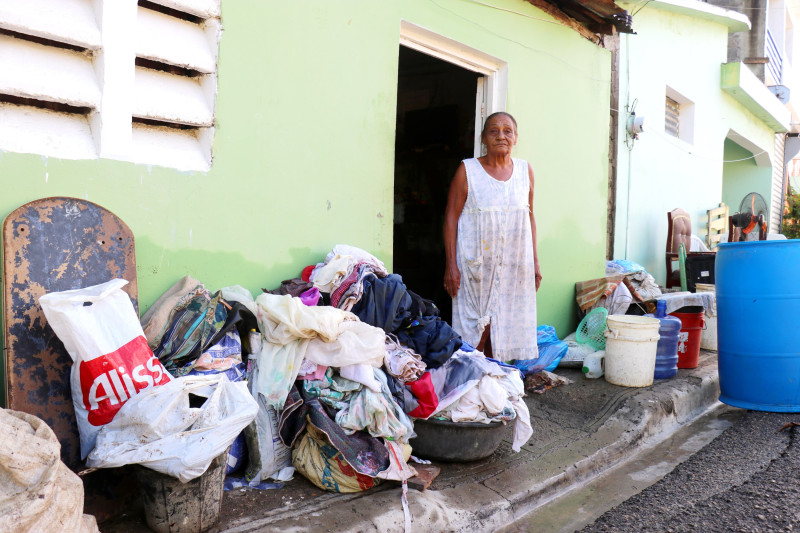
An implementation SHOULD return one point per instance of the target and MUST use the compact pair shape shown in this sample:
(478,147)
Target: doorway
(436,110)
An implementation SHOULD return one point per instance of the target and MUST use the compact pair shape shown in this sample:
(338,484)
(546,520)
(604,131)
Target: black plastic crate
(699,269)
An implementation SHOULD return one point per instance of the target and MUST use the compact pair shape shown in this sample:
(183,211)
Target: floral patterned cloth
(495,256)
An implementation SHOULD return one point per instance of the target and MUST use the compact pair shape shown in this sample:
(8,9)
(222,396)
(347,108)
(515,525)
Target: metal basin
(455,442)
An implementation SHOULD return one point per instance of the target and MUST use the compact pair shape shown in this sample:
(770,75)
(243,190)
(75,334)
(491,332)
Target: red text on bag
(109,380)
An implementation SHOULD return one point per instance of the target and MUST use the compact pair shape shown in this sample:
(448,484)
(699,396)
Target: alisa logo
(110,380)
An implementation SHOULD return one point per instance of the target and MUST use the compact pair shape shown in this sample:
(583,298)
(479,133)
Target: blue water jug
(667,348)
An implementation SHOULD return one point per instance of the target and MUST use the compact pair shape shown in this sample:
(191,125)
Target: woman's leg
(485,345)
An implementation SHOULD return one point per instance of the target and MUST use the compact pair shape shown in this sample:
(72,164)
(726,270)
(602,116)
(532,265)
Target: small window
(672,117)
(679,116)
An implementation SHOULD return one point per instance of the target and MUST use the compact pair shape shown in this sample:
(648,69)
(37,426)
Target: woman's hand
(537,274)
(452,279)
(456,199)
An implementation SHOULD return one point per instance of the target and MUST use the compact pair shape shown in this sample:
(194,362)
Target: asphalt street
(745,480)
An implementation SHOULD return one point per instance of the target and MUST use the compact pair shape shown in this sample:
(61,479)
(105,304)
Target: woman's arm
(537,270)
(456,199)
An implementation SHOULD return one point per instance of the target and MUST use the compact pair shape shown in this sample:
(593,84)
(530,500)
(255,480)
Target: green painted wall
(741,175)
(661,172)
(304,146)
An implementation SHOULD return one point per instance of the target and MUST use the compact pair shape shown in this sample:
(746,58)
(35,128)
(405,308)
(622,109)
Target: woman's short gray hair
(497,114)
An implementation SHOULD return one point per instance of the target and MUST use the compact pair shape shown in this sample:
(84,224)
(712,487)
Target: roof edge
(734,20)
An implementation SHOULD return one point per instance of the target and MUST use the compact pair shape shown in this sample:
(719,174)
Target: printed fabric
(495,256)
(377,413)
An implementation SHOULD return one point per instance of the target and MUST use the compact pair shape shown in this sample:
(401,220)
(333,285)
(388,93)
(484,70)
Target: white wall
(661,172)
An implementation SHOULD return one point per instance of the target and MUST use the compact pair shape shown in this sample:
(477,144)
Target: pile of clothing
(340,360)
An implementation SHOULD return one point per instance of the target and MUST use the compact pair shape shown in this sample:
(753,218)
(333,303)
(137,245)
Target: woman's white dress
(495,256)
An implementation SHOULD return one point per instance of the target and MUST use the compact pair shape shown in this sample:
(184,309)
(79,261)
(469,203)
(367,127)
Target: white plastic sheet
(160,430)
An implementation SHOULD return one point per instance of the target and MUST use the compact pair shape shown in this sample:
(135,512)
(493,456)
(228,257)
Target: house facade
(768,48)
(709,125)
(241,141)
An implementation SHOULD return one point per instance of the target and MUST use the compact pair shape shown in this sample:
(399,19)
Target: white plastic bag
(111,359)
(160,430)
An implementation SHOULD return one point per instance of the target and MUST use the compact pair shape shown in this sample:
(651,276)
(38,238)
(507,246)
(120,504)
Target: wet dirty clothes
(376,413)
(387,304)
(293,287)
(365,453)
(293,331)
(472,388)
(432,338)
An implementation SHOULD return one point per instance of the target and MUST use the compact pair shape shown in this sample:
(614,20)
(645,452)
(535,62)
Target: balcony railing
(775,65)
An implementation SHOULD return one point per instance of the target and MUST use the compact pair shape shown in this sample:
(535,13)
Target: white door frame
(495,70)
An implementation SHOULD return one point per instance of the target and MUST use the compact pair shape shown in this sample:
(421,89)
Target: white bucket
(631,343)
(708,338)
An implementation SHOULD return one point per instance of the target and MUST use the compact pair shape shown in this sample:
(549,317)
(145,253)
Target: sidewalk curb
(648,416)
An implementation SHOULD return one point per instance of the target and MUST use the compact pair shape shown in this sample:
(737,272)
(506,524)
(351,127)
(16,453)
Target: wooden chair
(717,225)
(679,232)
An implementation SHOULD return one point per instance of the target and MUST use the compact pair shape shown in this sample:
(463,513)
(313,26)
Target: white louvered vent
(175,82)
(48,85)
(679,116)
(103,78)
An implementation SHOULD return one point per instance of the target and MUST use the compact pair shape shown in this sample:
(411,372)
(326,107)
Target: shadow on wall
(158,268)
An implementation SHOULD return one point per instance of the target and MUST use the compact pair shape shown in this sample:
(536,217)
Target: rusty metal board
(54,244)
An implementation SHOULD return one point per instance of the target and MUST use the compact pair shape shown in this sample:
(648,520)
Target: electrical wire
(540,51)
(638,10)
(514,12)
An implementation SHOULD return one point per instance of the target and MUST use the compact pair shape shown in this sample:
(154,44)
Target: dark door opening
(436,104)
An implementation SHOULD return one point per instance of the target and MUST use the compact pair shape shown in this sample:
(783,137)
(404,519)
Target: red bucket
(689,337)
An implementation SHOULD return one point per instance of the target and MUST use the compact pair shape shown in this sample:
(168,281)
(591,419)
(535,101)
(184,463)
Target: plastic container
(667,348)
(593,364)
(757,303)
(174,507)
(456,442)
(708,339)
(692,323)
(591,329)
(699,269)
(631,343)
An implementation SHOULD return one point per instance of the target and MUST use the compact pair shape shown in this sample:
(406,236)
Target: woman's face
(500,135)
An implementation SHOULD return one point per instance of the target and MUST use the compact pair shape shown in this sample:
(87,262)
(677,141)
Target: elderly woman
(492,267)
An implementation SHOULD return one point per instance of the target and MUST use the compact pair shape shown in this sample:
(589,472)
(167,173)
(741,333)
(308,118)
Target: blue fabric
(432,338)
(387,304)
(551,351)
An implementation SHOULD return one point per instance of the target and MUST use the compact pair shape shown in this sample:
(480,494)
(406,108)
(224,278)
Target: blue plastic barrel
(758,302)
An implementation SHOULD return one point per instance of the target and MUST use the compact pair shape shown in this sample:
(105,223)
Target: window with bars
(117,79)
(672,117)
(679,115)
